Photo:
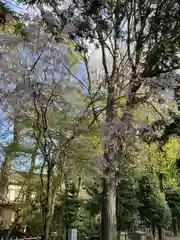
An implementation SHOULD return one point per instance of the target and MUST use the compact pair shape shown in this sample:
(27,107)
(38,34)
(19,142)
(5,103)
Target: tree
(127,205)
(38,125)
(172,197)
(142,41)
(153,207)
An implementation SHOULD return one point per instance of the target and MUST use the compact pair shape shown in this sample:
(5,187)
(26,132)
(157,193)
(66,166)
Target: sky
(20,8)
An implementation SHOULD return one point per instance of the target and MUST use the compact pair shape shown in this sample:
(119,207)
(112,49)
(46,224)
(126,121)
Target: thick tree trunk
(178,224)
(108,212)
(112,147)
(46,228)
(160,233)
(113,138)
(48,206)
(48,212)
(108,216)
(175,227)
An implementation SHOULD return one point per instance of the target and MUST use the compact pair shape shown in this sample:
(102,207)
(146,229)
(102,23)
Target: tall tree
(141,40)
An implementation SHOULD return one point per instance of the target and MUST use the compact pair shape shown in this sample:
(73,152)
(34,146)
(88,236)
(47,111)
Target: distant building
(17,194)
(14,194)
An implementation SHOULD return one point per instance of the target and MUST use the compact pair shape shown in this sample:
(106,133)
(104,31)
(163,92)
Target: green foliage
(34,223)
(71,206)
(167,129)
(73,57)
(93,205)
(82,224)
(20,30)
(173,199)
(88,227)
(87,218)
(127,205)
(75,213)
(153,207)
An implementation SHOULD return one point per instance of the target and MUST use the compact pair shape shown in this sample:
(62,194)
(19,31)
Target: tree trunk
(153,230)
(160,230)
(46,228)
(48,206)
(113,141)
(112,147)
(48,212)
(108,214)
(108,211)
(178,224)
(175,227)
(160,233)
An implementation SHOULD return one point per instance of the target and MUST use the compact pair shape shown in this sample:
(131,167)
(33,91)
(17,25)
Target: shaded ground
(172,238)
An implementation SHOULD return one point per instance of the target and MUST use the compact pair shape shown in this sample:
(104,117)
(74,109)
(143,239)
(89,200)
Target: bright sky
(15,6)
(20,8)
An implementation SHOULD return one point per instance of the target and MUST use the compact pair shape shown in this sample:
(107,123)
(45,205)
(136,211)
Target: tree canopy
(89,95)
